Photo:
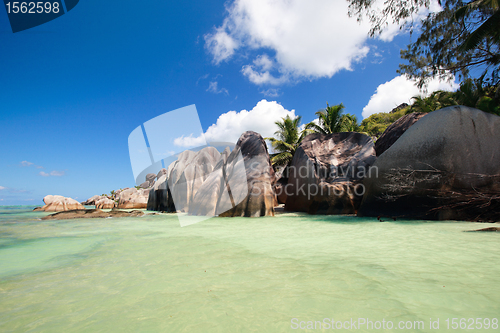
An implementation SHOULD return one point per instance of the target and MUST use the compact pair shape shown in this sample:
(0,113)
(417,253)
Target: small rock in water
(490,229)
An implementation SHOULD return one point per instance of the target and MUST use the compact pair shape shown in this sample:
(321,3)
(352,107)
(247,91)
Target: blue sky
(73,89)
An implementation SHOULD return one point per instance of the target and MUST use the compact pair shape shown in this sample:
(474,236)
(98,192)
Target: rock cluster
(93,213)
(209,183)
(441,165)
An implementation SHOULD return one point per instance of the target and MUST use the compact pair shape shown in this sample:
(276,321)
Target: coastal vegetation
(289,134)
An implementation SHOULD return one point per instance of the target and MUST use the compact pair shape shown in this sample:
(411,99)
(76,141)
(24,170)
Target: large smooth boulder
(150,178)
(177,185)
(188,174)
(241,183)
(395,130)
(144,185)
(105,203)
(91,201)
(445,166)
(133,198)
(326,172)
(58,203)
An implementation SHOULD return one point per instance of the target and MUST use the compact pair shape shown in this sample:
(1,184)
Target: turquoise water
(240,275)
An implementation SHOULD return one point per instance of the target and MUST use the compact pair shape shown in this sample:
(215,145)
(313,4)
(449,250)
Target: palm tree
(329,120)
(349,123)
(475,94)
(437,100)
(288,138)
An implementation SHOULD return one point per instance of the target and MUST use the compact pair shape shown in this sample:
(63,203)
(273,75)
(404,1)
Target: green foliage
(376,124)
(437,100)
(462,39)
(349,123)
(489,28)
(479,94)
(329,120)
(288,138)
(332,120)
(454,42)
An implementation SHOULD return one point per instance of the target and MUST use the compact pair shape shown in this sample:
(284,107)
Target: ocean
(290,273)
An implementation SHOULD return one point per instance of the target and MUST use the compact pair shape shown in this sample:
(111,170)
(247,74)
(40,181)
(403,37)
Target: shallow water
(240,275)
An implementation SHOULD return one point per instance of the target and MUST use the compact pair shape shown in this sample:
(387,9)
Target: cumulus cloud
(52,173)
(213,87)
(400,90)
(190,141)
(308,39)
(232,124)
(221,44)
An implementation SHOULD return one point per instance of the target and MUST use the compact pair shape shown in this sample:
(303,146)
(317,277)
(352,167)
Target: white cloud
(310,39)
(52,173)
(2,188)
(400,90)
(232,124)
(271,92)
(204,77)
(190,141)
(213,87)
(221,44)
(28,164)
(264,62)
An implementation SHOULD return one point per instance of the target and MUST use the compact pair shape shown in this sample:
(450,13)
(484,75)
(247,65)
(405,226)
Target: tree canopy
(461,39)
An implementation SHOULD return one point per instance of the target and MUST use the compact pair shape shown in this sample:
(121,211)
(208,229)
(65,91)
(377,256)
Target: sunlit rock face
(58,203)
(133,198)
(445,166)
(241,183)
(177,185)
(105,203)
